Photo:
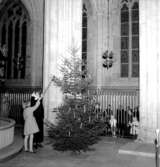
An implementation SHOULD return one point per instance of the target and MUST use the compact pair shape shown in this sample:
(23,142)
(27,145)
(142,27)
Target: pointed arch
(14,28)
(129,39)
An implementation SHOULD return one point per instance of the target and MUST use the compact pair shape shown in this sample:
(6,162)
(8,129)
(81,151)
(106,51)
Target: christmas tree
(78,126)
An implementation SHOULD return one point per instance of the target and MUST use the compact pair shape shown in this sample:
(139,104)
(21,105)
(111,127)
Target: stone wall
(98,44)
(97,41)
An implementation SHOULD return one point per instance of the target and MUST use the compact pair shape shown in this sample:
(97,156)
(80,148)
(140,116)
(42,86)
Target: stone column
(62,31)
(149,68)
(99,45)
(100,18)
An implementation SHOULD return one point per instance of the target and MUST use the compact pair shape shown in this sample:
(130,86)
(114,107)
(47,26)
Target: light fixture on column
(3,58)
(108,59)
(108,54)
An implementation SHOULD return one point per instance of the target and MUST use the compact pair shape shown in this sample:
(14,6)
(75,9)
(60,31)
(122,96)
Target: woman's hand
(41,96)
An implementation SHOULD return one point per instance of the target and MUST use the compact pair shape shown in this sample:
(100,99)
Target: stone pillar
(149,68)
(62,31)
(101,7)
(99,51)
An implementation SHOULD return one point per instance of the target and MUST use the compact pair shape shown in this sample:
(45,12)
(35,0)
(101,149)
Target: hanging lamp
(108,55)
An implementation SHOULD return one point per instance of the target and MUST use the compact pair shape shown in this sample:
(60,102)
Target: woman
(30,124)
(39,116)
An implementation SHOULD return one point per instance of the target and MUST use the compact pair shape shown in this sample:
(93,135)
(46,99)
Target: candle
(84,108)
(69,133)
(81,125)
(69,109)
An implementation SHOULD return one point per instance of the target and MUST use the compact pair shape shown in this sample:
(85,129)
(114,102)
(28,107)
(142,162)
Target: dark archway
(14,27)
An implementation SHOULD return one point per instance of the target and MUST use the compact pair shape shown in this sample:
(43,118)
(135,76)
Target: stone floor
(106,153)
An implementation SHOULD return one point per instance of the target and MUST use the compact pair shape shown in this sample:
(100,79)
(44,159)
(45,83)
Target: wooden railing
(116,98)
(11,102)
(106,97)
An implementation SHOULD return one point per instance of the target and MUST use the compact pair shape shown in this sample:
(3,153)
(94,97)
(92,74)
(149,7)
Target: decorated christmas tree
(78,126)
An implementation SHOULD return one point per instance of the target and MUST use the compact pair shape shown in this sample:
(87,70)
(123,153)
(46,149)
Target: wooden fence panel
(116,98)
(14,98)
(105,97)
